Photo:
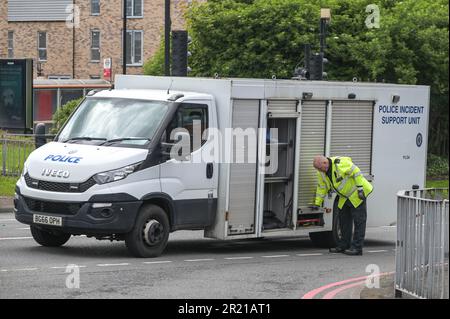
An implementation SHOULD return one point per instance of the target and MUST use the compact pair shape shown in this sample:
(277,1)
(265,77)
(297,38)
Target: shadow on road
(189,247)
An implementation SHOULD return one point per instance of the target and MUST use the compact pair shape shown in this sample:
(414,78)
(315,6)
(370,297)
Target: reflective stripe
(342,185)
(352,169)
(358,174)
(321,196)
(352,191)
(323,187)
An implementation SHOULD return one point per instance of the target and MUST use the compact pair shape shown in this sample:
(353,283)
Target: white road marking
(3,270)
(15,238)
(238,258)
(7,219)
(65,267)
(25,228)
(275,256)
(157,262)
(377,251)
(112,265)
(307,255)
(204,259)
(25,269)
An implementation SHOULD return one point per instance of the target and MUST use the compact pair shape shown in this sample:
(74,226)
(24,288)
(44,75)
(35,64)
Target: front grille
(59,187)
(59,208)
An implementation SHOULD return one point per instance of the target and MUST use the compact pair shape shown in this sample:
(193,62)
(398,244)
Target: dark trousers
(348,216)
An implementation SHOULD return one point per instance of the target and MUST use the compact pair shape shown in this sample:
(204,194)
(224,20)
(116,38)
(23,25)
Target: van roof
(148,94)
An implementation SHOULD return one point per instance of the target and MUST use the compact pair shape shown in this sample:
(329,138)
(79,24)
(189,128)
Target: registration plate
(47,220)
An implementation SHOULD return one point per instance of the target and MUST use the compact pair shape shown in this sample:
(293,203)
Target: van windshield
(114,121)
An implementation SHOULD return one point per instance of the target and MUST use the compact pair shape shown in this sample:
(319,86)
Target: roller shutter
(38,10)
(282,108)
(312,142)
(242,192)
(351,132)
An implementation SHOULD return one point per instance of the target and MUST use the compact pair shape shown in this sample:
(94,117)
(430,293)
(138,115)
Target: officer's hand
(361,194)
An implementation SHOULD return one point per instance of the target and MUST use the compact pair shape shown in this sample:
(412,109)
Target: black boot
(336,250)
(353,252)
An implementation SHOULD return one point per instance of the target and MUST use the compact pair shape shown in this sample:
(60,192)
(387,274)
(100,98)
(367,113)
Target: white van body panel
(87,160)
(398,161)
(398,150)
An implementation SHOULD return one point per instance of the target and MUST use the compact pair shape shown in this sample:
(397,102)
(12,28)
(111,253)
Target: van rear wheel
(328,239)
(150,233)
(48,238)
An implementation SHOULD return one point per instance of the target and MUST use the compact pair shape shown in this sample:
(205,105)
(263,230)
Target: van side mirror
(40,139)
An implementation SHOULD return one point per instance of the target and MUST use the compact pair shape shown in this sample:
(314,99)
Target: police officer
(344,177)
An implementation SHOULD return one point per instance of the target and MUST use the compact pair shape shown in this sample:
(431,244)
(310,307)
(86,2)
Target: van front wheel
(47,238)
(150,233)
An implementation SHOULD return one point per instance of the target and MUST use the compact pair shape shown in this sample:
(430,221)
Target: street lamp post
(167,26)
(124,38)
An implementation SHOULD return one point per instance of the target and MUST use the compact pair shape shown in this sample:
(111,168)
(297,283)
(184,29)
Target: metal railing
(422,244)
(14,151)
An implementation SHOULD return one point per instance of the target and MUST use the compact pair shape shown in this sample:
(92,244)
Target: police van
(232,157)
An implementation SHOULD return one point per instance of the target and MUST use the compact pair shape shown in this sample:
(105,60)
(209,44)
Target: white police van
(111,174)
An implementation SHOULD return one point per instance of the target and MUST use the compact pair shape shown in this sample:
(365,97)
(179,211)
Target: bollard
(40,138)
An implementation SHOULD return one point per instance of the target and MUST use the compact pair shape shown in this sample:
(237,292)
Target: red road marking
(334,292)
(315,292)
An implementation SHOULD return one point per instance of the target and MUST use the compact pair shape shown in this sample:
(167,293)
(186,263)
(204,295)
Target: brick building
(39,29)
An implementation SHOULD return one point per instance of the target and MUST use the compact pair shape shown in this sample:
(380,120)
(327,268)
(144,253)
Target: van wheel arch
(162,200)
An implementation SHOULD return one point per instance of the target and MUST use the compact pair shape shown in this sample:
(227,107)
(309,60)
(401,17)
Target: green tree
(155,65)
(260,38)
(63,113)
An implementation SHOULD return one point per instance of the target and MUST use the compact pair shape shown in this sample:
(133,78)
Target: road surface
(191,267)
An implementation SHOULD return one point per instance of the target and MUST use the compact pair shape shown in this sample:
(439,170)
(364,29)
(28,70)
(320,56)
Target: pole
(73,40)
(307,56)
(323,34)
(167,27)
(124,38)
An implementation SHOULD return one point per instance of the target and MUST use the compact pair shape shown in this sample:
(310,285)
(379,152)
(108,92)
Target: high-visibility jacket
(347,179)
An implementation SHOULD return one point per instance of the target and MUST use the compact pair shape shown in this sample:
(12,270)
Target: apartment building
(69,39)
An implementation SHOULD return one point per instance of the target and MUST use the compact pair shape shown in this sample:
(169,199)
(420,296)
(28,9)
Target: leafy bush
(62,114)
(437,167)
(155,66)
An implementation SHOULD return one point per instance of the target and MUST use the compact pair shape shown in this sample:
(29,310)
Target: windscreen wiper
(125,139)
(85,138)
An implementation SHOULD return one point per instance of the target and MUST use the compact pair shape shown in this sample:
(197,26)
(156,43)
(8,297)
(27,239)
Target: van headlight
(116,174)
(24,170)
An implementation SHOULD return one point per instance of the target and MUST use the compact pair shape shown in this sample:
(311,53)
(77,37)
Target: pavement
(6,204)
(191,267)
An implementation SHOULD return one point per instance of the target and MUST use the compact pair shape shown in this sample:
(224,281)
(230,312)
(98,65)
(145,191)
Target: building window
(10,44)
(42,46)
(95,46)
(95,7)
(134,47)
(134,8)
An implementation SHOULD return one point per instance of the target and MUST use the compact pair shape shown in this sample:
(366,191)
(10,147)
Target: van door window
(186,117)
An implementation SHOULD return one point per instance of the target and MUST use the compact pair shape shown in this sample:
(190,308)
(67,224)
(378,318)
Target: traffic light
(316,64)
(180,54)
